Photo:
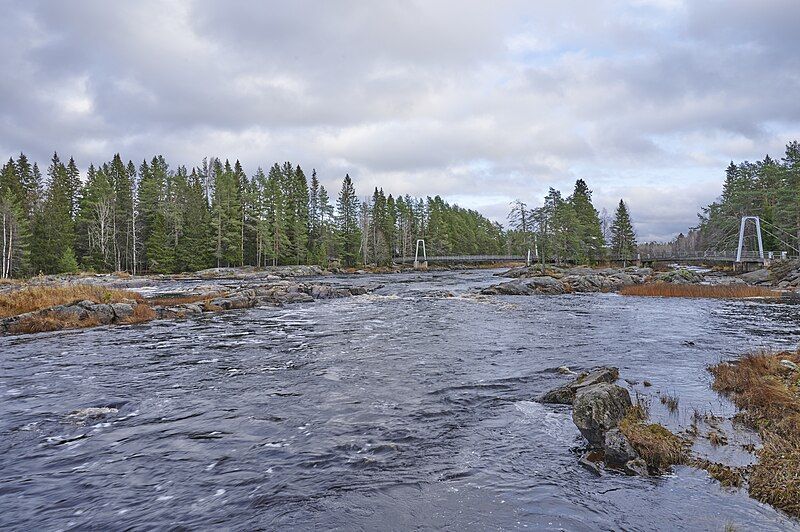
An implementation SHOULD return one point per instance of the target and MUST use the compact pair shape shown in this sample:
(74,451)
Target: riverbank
(41,308)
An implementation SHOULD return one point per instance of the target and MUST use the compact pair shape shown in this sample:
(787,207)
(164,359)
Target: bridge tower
(740,248)
(424,264)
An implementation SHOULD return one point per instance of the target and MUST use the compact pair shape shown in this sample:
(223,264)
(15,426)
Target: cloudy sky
(480,102)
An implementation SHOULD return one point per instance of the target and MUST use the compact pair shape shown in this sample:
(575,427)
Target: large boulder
(761,276)
(598,409)
(680,276)
(565,395)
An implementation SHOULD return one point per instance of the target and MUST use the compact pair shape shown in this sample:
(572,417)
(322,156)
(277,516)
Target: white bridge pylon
(417,264)
(740,247)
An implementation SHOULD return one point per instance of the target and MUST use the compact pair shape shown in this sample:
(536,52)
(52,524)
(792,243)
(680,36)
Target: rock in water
(598,409)
(565,395)
(618,450)
(92,412)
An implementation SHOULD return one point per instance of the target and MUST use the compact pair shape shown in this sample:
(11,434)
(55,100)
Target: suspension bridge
(748,251)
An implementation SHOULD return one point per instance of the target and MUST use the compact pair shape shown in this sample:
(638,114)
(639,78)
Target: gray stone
(565,395)
(121,310)
(637,467)
(788,364)
(756,277)
(618,450)
(598,409)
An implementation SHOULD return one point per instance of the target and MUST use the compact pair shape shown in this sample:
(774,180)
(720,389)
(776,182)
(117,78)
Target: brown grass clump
(671,402)
(770,395)
(657,446)
(141,313)
(181,300)
(729,477)
(34,298)
(732,291)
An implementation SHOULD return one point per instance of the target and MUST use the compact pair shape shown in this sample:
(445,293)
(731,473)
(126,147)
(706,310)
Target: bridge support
(424,264)
(739,249)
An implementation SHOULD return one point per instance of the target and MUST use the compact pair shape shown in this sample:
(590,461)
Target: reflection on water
(392,410)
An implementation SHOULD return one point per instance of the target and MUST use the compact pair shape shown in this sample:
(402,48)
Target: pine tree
(623,238)
(348,208)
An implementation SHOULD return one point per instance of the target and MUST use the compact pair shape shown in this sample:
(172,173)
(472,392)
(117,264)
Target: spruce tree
(53,235)
(588,221)
(349,235)
(623,237)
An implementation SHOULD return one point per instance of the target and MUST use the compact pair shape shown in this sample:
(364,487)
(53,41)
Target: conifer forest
(153,218)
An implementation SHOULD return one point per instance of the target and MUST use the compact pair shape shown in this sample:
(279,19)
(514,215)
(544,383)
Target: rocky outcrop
(565,395)
(757,277)
(272,294)
(533,281)
(679,276)
(87,313)
(527,287)
(77,313)
(599,406)
(598,409)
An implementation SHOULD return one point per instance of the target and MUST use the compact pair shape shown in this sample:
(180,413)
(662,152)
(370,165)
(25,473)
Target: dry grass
(657,446)
(770,395)
(733,291)
(181,300)
(36,324)
(34,298)
(671,402)
(141,313)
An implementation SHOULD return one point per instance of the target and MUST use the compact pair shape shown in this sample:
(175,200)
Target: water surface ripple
(396,410)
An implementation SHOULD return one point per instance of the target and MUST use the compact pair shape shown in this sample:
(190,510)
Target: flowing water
(396,410)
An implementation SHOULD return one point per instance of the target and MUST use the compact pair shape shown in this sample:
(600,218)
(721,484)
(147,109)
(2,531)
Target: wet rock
(637,467)
(618,450)
(565,395)
(564,370)
(598,409)
(358,290)
(91,412)
(592,460)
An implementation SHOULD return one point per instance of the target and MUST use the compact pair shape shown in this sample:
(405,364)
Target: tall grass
(32,298)
(727,291)
(768,393)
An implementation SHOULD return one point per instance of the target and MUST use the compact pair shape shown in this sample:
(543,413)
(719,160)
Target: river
(396,410)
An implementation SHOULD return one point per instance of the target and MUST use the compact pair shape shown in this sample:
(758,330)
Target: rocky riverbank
(105,306)
(553,280)
(535,280)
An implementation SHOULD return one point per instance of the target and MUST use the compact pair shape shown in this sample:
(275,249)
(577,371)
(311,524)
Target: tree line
(571,229)
(155,219)
(769,189)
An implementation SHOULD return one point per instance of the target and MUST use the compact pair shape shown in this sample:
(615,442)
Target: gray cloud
(478,102)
